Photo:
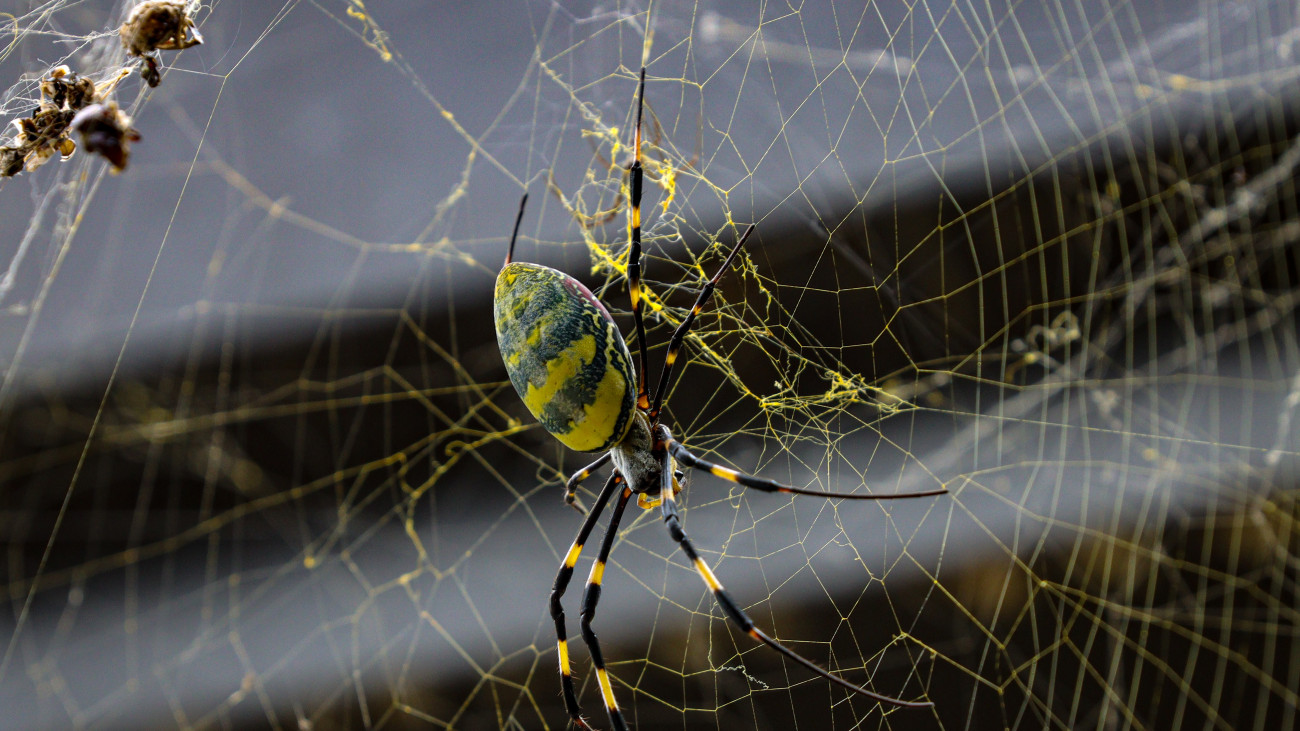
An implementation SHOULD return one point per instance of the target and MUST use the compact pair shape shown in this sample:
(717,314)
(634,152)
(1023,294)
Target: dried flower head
(158,25)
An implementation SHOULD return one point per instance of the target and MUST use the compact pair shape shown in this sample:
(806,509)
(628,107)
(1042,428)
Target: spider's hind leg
(753,482)
(590,598)
(557,593)
(729,607)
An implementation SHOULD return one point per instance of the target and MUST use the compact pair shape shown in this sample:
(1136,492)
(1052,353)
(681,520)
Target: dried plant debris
(69,101)
(158,25)
(106,131)
(64,89)
(45,131)
(39,137)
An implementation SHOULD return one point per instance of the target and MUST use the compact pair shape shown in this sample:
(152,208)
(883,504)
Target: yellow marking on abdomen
(707,573)
(601,414)
(559,371)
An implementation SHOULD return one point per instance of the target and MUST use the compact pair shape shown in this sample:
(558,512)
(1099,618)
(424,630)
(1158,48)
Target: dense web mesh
(261,465)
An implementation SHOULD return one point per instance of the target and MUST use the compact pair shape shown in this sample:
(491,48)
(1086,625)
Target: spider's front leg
(635,181)
(571,487)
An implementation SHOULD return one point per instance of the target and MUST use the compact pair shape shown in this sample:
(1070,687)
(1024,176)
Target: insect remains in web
(574,372)
(158,25)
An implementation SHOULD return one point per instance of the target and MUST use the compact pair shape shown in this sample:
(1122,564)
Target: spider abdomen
(564,356)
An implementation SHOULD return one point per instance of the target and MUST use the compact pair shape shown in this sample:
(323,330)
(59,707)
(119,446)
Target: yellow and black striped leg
(635,180)
(679,335)
(729,607)
(571,487)
(683,455)
(589,600)
(557,593)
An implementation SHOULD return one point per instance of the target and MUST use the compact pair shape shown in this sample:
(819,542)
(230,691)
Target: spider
(573,370)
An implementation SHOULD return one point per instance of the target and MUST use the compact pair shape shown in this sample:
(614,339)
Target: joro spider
(572,369)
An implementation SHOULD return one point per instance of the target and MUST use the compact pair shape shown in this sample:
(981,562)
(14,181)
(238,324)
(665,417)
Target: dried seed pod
(157,25)
(11,161)
(43,135)
(66,89)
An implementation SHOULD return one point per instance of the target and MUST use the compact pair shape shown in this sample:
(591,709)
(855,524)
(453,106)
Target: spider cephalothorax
(574,372)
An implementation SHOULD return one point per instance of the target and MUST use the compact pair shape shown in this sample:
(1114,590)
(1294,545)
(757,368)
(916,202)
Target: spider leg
(590,597)
(679,335)
(571,487)
(519,218)
(683,455)
(635,181)
(729,607)
(557,593)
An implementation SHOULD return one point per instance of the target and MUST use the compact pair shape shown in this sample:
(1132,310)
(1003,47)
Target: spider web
(262,467)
